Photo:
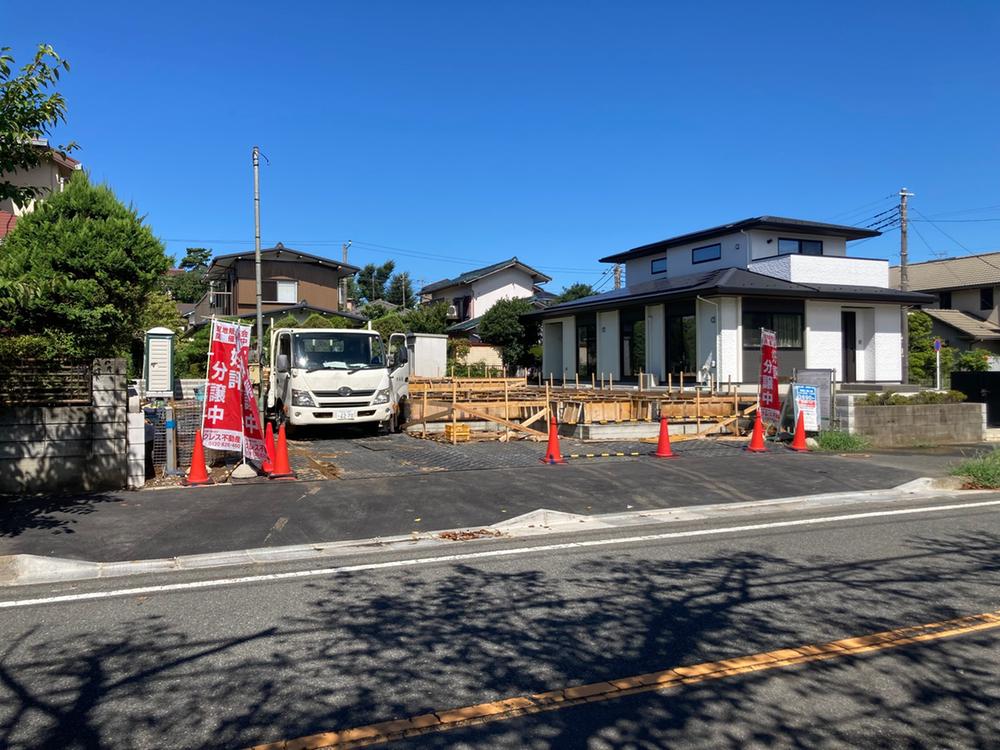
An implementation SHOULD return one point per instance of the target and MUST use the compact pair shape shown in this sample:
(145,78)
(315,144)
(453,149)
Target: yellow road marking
(666,679)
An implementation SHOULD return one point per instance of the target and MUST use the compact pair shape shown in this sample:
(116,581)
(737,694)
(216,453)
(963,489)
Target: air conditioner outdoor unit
(452,312)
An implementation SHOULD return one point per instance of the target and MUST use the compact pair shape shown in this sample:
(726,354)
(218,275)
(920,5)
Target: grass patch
(983,472)
(838,441)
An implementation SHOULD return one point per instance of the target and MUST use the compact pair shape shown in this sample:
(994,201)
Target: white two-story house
(474,292)
(696,303)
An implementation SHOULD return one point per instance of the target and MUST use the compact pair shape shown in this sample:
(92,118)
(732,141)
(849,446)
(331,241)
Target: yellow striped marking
(602,455)
(666,679)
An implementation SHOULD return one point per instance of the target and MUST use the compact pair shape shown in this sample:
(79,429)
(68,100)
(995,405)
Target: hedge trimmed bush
(888,398)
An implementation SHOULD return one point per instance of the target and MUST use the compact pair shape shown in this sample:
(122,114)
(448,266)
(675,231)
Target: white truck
(338,376)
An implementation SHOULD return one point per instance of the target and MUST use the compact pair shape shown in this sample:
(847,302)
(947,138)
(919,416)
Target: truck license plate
(344,414)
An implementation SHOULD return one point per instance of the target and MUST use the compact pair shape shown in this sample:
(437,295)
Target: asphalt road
(232,664)
(166,523)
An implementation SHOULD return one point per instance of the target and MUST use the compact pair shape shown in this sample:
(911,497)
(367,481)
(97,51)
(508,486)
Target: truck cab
(335,376)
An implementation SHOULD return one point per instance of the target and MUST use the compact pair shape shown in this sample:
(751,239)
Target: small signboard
(805,399)
(937,345)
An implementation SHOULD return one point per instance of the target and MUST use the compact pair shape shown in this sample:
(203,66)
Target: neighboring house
(696,303)
(49,177)
(292,282)
(966,298)
(474,292)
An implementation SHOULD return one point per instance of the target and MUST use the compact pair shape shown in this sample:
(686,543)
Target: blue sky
(460,133)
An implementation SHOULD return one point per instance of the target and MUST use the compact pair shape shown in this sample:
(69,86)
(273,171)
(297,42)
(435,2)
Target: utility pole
(343,281)
(904,284)
(618,275)
(256,262)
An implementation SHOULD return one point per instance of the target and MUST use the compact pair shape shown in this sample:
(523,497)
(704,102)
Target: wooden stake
(548,403)
(682,382)
(454,413)
(697,408)
(576,379)
(670,382)
(640,380)
(506,411)
(423,431)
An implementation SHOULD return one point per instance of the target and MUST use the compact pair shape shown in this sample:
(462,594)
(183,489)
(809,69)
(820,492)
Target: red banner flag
(770,402)
(230,420)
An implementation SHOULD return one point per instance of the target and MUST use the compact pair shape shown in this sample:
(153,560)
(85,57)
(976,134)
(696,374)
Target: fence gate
(980,388)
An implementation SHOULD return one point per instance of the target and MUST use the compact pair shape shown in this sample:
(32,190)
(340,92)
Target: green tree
(974,360)
(400,291)
(428,318)
(189,286)
(371,280)
(504,327)
(389,323)
(88,265)
(159,310)
(196,258)
(28,111)
(921,356)
(578,290)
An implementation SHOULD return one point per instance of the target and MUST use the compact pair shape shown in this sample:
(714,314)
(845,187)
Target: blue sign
(937,345)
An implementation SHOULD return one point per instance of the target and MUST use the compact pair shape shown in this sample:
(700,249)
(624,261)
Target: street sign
(937,345)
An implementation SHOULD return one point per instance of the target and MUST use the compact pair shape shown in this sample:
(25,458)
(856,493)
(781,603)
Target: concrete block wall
(920,424)
(67,448)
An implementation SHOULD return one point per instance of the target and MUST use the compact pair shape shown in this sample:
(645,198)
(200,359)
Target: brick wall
(68,448)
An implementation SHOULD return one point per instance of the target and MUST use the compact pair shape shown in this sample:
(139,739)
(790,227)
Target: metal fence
(46,383)
(187,415)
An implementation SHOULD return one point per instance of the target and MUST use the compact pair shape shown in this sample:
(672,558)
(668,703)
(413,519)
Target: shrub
(982,472)
(888,398)
(838,441)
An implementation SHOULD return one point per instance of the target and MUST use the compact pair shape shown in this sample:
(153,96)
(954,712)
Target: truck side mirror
(281,364)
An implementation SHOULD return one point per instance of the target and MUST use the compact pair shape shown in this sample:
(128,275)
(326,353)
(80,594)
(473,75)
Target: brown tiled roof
(968,325)
(951,273)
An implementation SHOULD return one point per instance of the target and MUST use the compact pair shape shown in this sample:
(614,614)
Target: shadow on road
(240,666)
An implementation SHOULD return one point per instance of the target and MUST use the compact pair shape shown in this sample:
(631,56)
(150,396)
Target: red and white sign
(770,402)
(230,420)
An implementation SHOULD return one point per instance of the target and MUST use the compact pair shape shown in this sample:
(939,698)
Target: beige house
(293,282)
(49,177)
(966,292)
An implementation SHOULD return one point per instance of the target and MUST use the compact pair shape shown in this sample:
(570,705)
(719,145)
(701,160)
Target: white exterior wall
(608,359)
(734,253)
(707,339)
(558,348)
(761,248)
(888,343)
(879,344)
(731,340)
(510,283)
(45,176)
(812,269)
(824,346)
(656,339)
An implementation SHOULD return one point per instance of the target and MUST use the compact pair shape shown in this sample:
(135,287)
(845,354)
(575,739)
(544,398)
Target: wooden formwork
(523,409)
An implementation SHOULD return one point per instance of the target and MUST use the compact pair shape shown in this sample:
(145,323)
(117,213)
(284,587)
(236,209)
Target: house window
(277,290)
(707,253)
(658,265)
(986,298)
(799,247)
(787,327)
(944,300)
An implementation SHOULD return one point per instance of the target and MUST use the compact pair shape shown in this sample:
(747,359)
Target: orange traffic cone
(552,454)
(198,474)
(663,449)
(799,440)
(267,466)
(757,438)
(281,469)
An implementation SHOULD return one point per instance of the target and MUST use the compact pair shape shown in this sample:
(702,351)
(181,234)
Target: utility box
(428,354)
(158,368)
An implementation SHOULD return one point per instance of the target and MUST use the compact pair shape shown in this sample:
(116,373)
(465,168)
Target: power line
(859,209)
(958,221)
(966,249)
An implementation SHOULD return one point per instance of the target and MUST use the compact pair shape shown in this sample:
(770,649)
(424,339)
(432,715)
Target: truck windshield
(338,351)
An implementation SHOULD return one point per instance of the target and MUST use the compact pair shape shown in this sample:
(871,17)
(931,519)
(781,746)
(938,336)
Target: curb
(24,570)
